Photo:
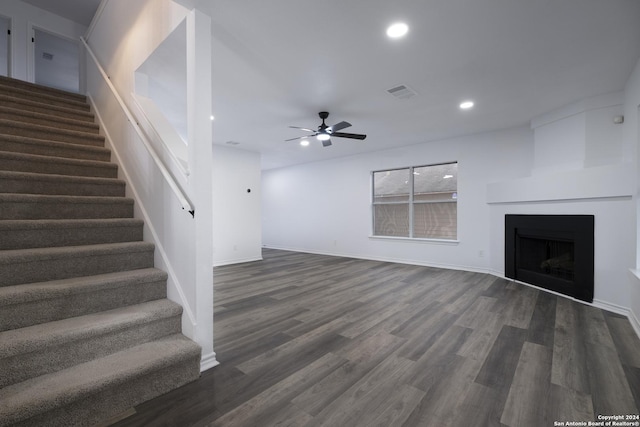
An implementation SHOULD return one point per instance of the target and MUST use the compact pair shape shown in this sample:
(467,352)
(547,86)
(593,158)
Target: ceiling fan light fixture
(466,105)
(325,133)
(397,30)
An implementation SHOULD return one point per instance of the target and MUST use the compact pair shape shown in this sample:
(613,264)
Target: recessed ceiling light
(448,176)
(466,105)
(397,30)
(304,142)
(211,117)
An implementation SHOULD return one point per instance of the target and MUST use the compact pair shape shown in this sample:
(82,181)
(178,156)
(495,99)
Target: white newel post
(199,110)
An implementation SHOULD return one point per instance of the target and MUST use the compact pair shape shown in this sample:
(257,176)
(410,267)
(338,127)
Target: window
(417,202)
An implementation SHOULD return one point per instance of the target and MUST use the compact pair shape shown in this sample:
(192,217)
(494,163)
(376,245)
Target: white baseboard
(384,259)
(603,305)
(633,319)
(614,308)
(236,261)
(635,324)
(208,361)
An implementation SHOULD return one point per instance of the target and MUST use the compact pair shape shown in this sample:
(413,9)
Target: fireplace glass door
(544,256)
(551,251)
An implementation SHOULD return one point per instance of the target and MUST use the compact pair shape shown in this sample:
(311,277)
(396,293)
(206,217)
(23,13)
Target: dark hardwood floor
(310,340)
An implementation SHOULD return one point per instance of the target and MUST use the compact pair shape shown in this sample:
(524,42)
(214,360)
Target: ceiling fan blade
(326,143)
(339,126)
(299,137)
(349,135)
(297,127)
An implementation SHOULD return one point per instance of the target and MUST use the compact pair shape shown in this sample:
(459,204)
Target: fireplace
(554,252)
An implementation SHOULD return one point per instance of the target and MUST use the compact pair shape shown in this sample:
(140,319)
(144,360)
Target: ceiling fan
(324,132)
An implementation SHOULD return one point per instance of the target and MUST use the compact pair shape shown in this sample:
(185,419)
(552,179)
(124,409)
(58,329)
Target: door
(5,28)
(57,61)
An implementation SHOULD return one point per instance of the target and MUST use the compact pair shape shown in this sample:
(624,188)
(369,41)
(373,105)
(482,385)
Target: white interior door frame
(31,52)
(32,28)
(9,43)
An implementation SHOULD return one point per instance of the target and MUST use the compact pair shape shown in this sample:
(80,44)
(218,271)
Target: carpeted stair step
(46,233)
(24,116)
(42,264)
(88,393)
(86,330)
(48,133)
(19,162)
(20,144)
(38,107)
(40,183)
(36,206)
(53,100)
(8,82)
(35,303)
(45,348)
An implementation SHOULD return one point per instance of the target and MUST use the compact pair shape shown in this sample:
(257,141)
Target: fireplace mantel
(601,182)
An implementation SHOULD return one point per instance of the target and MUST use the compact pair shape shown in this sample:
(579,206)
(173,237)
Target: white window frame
(411,202)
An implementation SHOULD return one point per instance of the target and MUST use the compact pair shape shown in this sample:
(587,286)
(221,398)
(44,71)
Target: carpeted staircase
(86,331)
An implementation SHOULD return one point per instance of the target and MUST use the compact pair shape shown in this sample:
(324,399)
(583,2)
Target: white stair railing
(180,194)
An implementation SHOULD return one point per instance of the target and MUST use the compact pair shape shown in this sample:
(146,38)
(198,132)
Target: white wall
(579,135)
(24,17)
(325,207)
(631,142)
(237,227)
(123,36)
(572,164)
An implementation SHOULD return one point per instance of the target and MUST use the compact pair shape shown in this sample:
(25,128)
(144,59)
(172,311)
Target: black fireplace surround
(554,252)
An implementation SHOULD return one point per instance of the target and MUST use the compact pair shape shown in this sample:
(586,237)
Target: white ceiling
(80,11)
(278,63)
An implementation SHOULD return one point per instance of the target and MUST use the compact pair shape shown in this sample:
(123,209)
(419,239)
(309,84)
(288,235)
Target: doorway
(57,61)
(5,28)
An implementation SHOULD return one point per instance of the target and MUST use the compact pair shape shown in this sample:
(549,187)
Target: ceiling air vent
(47,56)
(402,92)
